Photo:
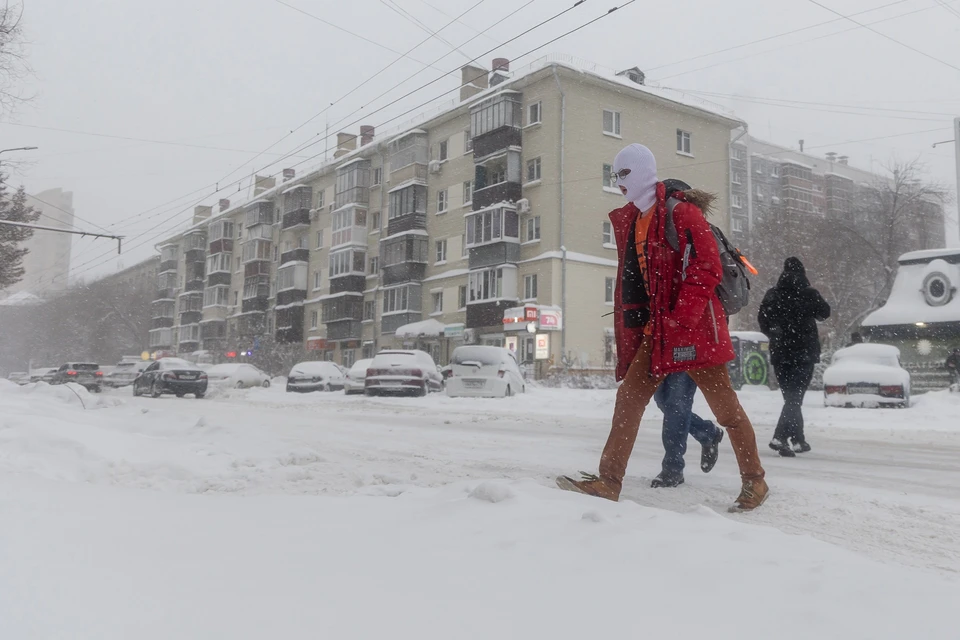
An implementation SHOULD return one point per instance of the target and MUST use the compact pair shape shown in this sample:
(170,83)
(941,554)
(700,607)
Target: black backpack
(734,288)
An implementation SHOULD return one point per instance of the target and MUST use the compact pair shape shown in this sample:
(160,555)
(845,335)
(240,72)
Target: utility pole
(956,146)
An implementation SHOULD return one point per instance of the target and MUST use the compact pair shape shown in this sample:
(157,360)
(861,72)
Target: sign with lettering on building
(543,347)
(551,319)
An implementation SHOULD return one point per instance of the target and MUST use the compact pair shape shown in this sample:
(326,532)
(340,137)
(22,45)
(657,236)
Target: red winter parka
(689,328)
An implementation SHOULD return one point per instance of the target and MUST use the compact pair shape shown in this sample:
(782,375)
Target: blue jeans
(674,396)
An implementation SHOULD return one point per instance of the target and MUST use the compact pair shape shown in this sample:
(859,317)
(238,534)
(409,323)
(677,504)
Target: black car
(87,374)
(171,375)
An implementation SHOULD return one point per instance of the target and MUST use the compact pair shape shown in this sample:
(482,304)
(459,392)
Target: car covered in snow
(866,375)
(87,374)
(356,378)
(403,372)
(171,375)
(124,373)
(237,375)
(19,377)
(43,374)
(318,375)
(482,371)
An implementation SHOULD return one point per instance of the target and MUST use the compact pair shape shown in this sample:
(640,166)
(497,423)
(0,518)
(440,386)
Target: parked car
(87,374)
(171,375)
(315,376)
(20,377)
(124,373)
(866,375)
(487,372)
(238,375)
(43,374)
(403,372)
(355,380)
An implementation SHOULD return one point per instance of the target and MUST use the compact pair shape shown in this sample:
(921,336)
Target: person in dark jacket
(788,316)
(952,365)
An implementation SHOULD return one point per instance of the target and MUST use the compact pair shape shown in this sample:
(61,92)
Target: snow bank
(85,562)
(70,393)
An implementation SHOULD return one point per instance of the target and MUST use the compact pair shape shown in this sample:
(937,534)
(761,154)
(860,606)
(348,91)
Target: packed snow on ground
(264,514)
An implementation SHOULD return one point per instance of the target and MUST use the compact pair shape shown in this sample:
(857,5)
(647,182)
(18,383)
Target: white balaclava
(641,183)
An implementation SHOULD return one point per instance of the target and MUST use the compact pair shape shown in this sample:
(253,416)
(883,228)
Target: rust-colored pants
(637,390)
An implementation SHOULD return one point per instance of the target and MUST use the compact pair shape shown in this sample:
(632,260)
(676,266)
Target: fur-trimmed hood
(701,199)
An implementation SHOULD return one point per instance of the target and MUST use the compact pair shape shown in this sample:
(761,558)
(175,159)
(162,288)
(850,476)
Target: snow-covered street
(256,513)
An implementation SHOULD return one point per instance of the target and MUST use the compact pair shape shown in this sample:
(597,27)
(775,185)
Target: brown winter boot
(591,485)
(752,495)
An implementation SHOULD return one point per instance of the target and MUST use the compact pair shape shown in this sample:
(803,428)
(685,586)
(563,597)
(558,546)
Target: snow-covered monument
(922,315)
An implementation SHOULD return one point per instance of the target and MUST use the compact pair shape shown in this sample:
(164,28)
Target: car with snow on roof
(403,372)
(484,372)
(866,375)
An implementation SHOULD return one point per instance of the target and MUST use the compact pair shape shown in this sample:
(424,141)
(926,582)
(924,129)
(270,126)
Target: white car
(314,376)
(125,373)
(486,372)
(20,377)
(356,379)
(238,375)
(409,372)
(866,375)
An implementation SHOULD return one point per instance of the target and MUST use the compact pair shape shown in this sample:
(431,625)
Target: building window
(737,201)
(320,239)
(375,222)
(238,265)
(412,199)
(442,201)
(467,192)
(530,287)
(375,265)
(256,287)
(400,299)
(608,179)
(737,178)
(378,176)
(609,348)
(467,141)
(216,296)
(494,225)
(317,280)
(437,302)
(369,308)
(775,171)
(607,233)
(534,113)
(344,223)
(220,230)
(314,319)
(533,229)
(348,357)
(462,297)
(683,142)
(736,224)
(503,110)
(738,153)
(608,290)
(441,246)
(303,242)
(490,285)
(292,275)
(219,263)
(442,153)
(236,298)
(320,199)
(239,230)
(276,254)
(405,248)
(347,261)
(533,170)
(611,122)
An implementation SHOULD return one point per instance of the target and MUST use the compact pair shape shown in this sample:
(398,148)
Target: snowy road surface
(258,513)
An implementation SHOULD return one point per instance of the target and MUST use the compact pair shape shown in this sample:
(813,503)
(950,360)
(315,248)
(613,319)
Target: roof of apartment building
(438,113)
(822,165)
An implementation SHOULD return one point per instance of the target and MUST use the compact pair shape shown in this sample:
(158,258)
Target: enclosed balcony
(401,305)
(168,258)
(349,226)
(189,337)
(404,257)
(489,293)
(493,236)
(296,207)
(495,123)
(191,307)
(348,270)
(409,155)
(257,213)
(219,268)
(290,325)
(163,313)
(291,283)
(342,315)
(161,339)
(498,179)
(408,208)
(195,246)
(220,236)
(256,293)
(257,250)
(295,255)
(353,183)
(167,286)
(251,324)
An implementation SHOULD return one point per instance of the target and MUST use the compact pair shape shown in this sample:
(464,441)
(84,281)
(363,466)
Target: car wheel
(371,392)
(326,388)
(239,385)
(266,384)
(154,391)
(180,395)
(199,396)
(508,393)
(136,391)
(423,391)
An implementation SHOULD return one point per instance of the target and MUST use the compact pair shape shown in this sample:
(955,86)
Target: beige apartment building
(486,223)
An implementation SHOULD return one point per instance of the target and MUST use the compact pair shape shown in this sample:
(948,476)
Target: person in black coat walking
(788,316)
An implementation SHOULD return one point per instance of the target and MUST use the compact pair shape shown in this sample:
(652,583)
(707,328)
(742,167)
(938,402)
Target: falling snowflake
(924,347)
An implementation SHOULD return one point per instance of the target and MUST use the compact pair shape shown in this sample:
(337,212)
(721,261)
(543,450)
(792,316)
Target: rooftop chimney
(366,134)
(262,183)
(501,71)
(832,156)
(201,213)
(289,174)
(224,204)
(346,142)
(843,159)
(473,80)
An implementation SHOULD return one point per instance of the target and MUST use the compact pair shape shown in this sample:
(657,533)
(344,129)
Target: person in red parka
(667,318)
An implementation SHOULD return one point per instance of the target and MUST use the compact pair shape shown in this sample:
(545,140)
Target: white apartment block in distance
(486,223)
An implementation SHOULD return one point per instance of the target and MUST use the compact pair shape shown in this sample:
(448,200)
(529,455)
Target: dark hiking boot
(591,485)
(667,480)
(800,446)
(752,495)
(783,448)
(710,453)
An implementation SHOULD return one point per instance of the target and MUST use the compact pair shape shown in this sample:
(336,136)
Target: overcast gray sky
(224,79)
